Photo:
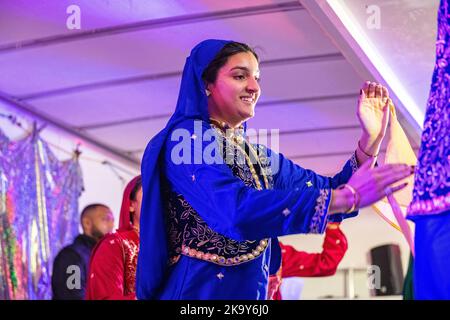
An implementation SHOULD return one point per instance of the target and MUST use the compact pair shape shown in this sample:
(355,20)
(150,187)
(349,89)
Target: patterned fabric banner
(38,214)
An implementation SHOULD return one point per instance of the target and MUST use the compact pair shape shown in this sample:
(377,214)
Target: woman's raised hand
(373,110)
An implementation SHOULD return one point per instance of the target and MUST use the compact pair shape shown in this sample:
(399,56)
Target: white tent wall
(101,182)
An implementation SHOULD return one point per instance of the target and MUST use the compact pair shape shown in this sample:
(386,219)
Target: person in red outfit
(112,269)
(302,264)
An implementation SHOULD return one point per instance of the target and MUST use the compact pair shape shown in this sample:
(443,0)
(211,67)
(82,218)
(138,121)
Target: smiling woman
(209,228)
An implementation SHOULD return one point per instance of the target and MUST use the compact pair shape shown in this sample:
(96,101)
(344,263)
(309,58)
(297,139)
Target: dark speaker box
(388,259)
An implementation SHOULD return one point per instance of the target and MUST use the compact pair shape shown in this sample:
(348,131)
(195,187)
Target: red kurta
(302,264)
(112,271)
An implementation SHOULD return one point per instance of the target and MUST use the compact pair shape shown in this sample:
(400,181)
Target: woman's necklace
(236,140)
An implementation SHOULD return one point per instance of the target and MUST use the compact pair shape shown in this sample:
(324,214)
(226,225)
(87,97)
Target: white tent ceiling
(115,81)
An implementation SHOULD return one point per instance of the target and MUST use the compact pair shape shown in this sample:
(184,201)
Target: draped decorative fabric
(38,214)
(431,193)
(430,207)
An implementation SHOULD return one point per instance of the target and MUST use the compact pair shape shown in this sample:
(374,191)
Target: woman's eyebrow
(243,68)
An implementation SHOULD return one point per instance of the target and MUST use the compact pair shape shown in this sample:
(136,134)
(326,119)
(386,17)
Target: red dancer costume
(302,264)
(112,270)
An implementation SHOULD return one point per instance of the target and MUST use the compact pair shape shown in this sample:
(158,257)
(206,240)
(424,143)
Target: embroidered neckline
(237,140)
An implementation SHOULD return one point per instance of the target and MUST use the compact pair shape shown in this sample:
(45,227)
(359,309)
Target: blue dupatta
(192,104)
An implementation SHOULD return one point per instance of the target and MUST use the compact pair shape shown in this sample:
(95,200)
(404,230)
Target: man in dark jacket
(71,264)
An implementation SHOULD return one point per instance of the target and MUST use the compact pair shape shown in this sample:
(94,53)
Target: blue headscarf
(192,104)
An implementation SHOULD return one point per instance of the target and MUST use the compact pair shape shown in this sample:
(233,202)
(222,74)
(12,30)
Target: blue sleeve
(227,205)
(291,176)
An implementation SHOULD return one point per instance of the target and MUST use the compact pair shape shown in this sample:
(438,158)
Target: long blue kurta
(296,201)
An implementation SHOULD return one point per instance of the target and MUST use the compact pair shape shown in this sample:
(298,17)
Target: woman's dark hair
(230,49)
(136,188)
(133,194)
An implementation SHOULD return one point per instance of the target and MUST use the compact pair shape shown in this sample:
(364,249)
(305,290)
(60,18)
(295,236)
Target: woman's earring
(208,93)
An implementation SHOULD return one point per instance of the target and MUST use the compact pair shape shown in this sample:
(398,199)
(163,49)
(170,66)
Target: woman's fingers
(365,87)
(385,93)
(386,175)
(392,109)
(386,115)
(391,190)
(399,187)
(362,94)
(396,175)
(374,184)
(375,90)
(393,167)
(383,170)
(371,93)
(379,91)
(387,169)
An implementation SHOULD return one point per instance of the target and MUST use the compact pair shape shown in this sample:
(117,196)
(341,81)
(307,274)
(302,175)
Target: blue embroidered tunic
(221,247)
